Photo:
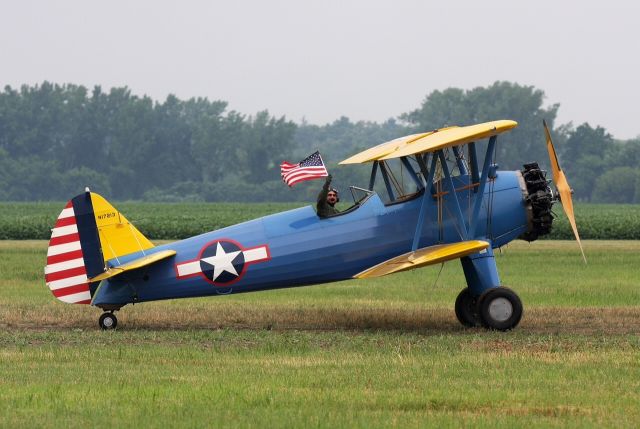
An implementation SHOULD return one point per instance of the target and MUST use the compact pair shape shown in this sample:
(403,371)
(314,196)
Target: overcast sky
(320,60)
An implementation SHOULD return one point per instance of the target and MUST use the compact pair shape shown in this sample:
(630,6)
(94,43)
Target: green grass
(233,378)
(373,353)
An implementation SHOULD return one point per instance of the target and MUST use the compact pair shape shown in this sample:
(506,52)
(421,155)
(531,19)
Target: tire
(108,321)
(467,309)
(500,309)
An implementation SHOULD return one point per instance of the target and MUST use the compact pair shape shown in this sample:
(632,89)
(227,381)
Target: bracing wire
(455,224)
(453,191)
(394,181)
(438,276)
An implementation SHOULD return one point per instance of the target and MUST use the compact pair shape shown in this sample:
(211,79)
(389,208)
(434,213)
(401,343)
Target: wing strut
(426,197)
(467,233)
(374,170)
(473,162)
(387,182)
(483,181)
(447,175)
(411,171)
(462,167)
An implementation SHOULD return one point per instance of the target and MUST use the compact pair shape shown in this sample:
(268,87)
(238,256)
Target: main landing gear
(497,308)
(108,321)
(484,302)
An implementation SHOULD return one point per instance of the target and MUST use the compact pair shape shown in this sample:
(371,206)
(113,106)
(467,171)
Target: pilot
(327,199)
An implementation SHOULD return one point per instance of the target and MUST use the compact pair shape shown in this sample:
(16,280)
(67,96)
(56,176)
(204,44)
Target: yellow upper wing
(383,149)
(423,257)
(431,141)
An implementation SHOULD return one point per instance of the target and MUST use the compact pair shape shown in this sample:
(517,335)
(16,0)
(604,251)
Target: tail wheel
(108,321)
(467,309)
(500,309)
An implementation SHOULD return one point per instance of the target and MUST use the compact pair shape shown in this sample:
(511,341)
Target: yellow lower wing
(134,265)
(423,257)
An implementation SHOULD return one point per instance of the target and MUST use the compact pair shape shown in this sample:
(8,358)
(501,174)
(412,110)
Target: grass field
(371,353)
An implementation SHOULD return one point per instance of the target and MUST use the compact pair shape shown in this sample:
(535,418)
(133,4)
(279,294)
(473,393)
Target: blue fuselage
(302,249)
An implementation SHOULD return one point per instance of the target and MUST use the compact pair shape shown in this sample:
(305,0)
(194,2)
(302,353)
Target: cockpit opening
(401,179)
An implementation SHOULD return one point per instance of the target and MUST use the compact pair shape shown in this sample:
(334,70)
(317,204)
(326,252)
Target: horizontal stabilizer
(423,257)
(134,265)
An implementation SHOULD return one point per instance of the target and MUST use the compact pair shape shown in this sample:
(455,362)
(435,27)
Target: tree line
(57,139)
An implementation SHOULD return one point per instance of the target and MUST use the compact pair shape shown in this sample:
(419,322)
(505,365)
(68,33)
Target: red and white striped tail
(65,273)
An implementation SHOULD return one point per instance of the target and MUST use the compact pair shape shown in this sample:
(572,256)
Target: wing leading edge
(424,257)
(431,141)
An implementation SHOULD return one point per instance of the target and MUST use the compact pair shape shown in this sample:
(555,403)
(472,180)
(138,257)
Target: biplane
(452,203)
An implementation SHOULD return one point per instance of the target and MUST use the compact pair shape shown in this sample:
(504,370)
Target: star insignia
(222,262)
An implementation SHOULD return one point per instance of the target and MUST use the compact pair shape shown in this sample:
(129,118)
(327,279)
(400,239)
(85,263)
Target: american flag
(309,168)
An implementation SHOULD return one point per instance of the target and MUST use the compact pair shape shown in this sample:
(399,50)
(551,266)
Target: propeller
(562,186)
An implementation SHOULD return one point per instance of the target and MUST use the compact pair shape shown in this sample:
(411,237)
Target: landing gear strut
(108,321)
(484,302)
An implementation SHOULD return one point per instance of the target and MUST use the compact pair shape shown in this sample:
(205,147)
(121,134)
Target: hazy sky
(320,60)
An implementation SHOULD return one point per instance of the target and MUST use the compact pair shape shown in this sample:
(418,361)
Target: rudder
(88,232)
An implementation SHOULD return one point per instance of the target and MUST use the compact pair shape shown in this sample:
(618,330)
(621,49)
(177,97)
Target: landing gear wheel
(500,309)
(467,309)
(108,321)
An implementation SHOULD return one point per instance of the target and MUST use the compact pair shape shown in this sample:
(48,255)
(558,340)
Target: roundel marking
(222,262)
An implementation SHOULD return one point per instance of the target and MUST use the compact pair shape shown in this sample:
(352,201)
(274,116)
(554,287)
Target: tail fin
(89,232)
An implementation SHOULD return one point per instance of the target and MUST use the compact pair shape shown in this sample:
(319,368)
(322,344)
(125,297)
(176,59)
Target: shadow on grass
(426,321)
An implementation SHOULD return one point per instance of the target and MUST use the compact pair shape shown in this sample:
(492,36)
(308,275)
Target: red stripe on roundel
(69,204)
(65,221)
(64,239)
(64,257)
(70,290)
(84,301)
(72,272)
